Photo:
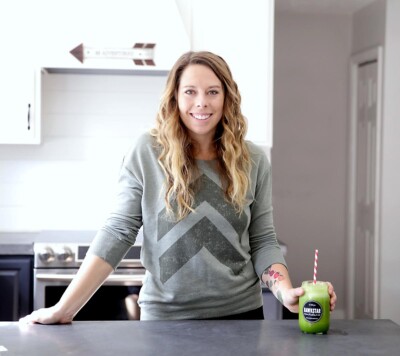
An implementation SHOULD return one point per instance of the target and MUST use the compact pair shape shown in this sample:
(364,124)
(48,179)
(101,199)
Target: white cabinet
(109,28)
(19,103)
(19,108)
(242,33)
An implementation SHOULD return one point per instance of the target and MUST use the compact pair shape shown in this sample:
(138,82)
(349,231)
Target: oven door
(112,301)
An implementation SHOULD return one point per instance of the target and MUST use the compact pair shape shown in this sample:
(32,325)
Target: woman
(203,196)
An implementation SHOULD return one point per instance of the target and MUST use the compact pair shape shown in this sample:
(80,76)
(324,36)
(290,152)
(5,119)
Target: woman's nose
(201,101)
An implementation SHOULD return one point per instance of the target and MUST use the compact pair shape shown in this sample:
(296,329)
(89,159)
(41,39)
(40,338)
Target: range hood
(122,37)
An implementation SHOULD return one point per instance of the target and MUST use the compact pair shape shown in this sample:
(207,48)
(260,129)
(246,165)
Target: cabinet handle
(29,116)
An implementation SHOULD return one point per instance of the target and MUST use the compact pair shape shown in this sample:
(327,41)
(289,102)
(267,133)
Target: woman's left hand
(332,293)
(291,298)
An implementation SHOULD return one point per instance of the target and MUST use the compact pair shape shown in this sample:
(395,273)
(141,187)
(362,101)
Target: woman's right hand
(91,275)
(52,315)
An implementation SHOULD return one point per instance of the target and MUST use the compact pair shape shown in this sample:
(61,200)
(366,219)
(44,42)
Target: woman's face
(200,101)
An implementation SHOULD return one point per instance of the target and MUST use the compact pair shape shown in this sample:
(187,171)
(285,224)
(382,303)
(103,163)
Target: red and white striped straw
(315,266)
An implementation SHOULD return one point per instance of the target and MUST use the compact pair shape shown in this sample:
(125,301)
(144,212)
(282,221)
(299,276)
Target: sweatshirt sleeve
(264,246)
(119,232)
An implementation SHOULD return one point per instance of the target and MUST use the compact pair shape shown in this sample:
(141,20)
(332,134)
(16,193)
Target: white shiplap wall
(88,123)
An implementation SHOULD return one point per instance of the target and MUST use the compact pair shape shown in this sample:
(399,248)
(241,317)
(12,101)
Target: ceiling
(322,6)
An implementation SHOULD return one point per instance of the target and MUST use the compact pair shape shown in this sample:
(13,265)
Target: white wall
(378,24)
(309,155)
(67,182)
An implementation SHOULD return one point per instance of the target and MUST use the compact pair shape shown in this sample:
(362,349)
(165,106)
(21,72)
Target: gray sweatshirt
(210,263)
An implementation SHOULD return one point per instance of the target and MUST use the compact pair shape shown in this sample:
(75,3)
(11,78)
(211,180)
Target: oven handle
(124,278)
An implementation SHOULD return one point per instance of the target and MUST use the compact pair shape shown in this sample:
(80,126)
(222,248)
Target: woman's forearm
(91,275)
(276,278)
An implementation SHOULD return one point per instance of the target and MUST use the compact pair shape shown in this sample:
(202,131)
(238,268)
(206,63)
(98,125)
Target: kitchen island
(249,337)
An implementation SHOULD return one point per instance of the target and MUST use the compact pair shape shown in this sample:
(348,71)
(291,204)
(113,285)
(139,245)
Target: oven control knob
(46,255)
(65,255)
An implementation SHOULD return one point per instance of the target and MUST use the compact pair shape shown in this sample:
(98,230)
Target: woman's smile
(201,117)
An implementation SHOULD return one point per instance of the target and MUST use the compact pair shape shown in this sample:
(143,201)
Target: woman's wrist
(63,313)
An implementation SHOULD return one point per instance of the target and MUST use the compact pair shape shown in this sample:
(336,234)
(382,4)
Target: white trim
(375,53)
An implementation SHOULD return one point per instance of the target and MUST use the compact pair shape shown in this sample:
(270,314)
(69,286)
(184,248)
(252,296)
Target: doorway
(364,185)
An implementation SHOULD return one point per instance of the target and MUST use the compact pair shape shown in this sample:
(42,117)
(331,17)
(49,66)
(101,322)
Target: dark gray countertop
(16,249)
(21,243)
(249,337)
(14,237)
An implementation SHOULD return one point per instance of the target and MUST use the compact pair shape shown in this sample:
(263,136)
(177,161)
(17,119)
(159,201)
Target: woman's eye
(189,91)
(213,92)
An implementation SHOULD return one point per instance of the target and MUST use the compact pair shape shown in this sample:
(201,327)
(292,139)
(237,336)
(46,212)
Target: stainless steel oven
(56,264)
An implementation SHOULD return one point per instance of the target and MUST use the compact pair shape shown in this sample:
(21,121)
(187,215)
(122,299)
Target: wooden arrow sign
(141,53)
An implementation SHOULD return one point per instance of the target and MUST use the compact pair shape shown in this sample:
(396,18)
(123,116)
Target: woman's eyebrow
(193,86)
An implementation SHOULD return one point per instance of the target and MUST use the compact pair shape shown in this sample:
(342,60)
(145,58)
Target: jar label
(312,311)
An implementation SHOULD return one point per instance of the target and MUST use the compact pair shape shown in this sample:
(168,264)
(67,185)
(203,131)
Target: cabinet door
(18,109)
(18,115)
(16,285)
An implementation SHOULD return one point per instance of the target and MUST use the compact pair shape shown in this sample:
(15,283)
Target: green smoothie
(314,308)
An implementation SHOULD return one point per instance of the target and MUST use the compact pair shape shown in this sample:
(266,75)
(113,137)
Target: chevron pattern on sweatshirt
(215,226)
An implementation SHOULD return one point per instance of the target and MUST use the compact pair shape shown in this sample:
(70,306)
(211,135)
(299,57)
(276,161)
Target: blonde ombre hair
(176,149)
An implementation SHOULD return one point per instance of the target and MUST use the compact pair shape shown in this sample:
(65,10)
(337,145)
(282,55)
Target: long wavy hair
(176,149)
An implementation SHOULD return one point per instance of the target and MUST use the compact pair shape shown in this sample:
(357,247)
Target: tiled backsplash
(88,123)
